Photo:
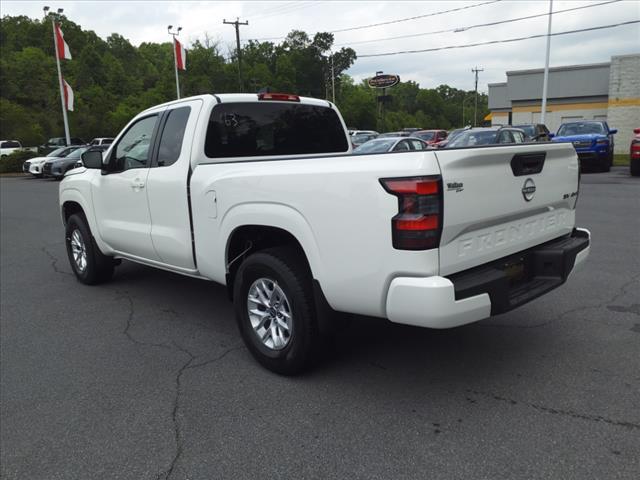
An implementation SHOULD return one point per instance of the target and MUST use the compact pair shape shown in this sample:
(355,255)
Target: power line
(361,27)
(414,18)
(288,9)
(479,25)
(270,9)
(493,42)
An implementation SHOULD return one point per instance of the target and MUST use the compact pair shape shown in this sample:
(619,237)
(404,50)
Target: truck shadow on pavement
(359,342)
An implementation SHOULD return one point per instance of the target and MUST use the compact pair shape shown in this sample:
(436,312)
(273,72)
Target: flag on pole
(68,95)
(181,55)
(63,48)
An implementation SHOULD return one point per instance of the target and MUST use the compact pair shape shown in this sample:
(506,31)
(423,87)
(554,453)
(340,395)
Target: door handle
(137,185)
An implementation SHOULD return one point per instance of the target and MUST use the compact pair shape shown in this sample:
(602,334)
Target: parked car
(34,165)
(7,147)
(57,142)
(391,144)
(56,167)
(593,141)
(233,192)
(430,136)
(450,136)
(101,142)
(401,133)
(358,137)
(634,153)
(535,132)
(487,136)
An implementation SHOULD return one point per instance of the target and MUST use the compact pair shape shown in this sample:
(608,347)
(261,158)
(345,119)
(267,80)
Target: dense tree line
(114,80)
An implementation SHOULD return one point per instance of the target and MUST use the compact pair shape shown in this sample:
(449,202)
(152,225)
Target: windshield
(581,128)
(470,138)
(376,146)
(77,152)
(529,130)
(425,135)
(61,152)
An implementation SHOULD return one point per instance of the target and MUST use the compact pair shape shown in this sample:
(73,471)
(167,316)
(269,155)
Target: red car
(430,136)
(634,153)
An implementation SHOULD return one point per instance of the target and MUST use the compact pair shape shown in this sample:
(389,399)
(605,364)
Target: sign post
(383,81)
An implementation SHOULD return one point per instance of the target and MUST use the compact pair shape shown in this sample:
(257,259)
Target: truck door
(120,197)
(168,185)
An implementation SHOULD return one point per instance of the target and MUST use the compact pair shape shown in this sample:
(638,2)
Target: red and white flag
(181,55)
(68,95)
(63,48)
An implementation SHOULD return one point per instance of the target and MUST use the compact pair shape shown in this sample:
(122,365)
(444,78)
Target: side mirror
(551,135)
(92,159)
(613,131)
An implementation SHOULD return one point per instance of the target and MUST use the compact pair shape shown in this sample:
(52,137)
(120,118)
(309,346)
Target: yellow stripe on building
(562,107)
(624,102)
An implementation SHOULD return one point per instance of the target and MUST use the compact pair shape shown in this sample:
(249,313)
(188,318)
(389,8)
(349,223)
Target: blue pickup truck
(593,141)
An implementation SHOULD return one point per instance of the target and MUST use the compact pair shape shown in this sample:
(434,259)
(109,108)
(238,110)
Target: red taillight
(418,224)
(282,97)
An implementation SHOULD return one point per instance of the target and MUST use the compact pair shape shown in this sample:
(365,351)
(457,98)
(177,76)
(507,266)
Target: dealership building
(601,91)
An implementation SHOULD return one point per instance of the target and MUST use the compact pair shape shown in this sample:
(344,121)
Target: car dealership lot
(146,376)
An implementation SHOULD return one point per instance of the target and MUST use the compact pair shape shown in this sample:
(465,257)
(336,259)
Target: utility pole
(237,24)
(175,60)
(545,80)
(475,110)
(333,81)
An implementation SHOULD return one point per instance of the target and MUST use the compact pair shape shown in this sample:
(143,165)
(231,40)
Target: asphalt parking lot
(147,378)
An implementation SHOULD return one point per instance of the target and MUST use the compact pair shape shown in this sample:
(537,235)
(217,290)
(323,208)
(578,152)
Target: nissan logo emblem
(528,189)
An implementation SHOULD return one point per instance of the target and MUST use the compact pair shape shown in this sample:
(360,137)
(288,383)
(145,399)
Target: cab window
(132,151)
(172,136)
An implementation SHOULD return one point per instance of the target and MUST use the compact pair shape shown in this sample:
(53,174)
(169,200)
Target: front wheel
(89,264)
(274,306)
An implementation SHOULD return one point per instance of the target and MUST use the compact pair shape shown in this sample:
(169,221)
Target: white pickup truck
(261,193)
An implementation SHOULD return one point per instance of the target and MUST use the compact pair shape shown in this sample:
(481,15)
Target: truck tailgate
(504,199)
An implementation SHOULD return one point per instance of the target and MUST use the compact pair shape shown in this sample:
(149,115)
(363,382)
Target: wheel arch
(72,201)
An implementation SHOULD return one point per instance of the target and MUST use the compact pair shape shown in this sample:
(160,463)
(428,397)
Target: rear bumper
(477,293)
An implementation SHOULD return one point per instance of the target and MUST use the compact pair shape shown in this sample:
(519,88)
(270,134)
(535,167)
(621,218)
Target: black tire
(99,267)
(290,272)
(634,168)
(605,166)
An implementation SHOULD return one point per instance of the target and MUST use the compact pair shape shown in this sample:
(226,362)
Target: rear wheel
(87,261)
(634,167)
(274,306)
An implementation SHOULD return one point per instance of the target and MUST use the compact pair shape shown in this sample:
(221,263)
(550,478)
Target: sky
(146,21)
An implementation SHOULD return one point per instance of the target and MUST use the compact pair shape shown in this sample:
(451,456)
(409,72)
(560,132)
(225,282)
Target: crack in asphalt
(558,411)
(126,332)
(177,427)
(619,293)
(54,261)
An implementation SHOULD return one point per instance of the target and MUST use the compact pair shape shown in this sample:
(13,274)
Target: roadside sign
(384,81)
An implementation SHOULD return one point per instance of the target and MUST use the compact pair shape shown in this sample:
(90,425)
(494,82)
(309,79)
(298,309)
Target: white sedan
(34,166)
(391,144)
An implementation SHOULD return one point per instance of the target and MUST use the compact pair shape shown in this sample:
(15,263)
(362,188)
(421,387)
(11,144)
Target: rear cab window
(269,128)
(173,136)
